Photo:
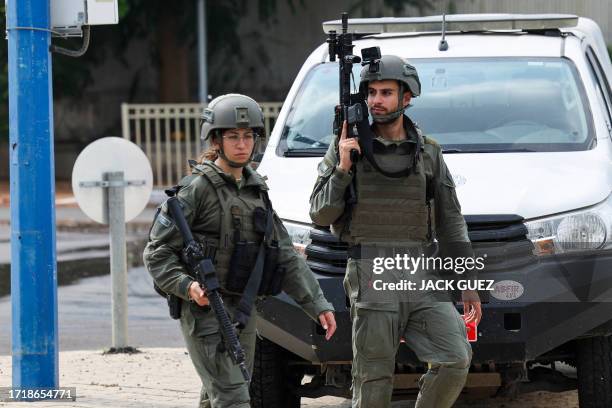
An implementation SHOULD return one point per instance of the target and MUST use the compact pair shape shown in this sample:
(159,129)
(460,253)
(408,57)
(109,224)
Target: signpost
(112,181)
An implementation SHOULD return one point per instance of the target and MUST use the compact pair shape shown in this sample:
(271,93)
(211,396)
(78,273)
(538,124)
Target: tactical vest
(236,220)
(387,210)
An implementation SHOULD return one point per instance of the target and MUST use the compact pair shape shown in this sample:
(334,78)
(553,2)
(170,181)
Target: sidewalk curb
(88,262)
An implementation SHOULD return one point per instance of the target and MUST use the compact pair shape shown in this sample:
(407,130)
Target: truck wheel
(594,367)
(274,383)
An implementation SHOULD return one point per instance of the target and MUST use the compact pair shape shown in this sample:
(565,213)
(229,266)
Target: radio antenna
(443,46)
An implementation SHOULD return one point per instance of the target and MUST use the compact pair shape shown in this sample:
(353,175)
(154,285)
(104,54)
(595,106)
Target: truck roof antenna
(443,46)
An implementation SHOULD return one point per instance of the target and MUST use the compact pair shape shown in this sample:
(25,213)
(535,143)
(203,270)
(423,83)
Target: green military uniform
(392,212)
(215,206)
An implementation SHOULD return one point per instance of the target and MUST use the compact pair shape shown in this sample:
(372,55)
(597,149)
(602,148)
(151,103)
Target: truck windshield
(467,105)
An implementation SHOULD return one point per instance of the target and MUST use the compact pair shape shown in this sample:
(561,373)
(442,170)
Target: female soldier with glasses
(221,200)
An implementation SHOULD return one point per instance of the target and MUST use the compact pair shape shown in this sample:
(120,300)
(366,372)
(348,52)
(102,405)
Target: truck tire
(274,383)
(594,367)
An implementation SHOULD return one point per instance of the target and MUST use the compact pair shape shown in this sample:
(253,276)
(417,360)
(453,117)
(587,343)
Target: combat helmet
(391,67)
(231,111)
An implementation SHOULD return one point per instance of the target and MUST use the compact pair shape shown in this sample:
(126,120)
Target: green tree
(70,75)
(175,35)
(397,7)
(170,29)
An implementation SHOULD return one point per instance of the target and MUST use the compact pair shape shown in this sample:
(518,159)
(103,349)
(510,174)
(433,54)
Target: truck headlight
(300,236)
(583,230)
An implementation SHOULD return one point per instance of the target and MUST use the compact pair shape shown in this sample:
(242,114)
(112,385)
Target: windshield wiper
(522,150)
(313,152)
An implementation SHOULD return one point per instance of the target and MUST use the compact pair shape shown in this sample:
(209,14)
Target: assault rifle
(205,275)
(351,108)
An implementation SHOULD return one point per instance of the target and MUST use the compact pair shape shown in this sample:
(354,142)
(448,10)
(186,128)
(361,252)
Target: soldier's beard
(390,117)
(386,118)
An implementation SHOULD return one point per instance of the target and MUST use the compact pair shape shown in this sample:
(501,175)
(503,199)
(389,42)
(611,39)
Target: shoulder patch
(163,220)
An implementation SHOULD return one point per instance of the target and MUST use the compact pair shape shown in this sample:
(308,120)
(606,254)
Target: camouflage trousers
(432,328)
(222,383)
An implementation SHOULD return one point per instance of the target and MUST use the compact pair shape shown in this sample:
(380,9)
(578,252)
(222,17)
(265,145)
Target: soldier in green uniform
(220,200)
(388,212)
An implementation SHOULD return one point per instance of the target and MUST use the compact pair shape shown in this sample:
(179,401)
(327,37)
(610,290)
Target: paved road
(165,378)
(85,324)
(84,315)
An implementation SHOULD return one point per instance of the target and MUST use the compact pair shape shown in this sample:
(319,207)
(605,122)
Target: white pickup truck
(522,106)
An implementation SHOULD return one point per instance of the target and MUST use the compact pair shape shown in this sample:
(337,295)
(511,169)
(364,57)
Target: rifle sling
(366,138)
(243,312)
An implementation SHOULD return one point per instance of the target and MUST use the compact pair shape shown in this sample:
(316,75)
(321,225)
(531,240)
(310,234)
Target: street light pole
(202,68)
(32,192)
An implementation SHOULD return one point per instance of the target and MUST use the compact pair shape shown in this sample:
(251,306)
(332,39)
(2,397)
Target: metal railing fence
(169,135)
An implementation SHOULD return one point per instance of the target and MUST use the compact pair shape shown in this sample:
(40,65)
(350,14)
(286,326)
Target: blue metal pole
(32,181)
(202,65)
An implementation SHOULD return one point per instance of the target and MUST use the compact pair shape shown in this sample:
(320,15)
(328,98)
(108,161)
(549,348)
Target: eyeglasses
(235,138)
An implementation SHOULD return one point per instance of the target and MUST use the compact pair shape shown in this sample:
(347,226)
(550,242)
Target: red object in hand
(472,330)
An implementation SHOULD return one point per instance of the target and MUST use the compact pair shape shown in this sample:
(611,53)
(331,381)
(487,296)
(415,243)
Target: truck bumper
(565,297)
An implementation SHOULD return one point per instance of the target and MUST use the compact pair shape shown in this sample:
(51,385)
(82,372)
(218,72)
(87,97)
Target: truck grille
(326,253)
(502,237)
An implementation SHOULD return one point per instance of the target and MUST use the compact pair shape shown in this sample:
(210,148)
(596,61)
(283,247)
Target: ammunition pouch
(241,265)
(273,274)
(174,302)
(174,306)
(244,257)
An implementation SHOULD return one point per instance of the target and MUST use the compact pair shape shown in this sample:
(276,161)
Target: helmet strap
(232,163)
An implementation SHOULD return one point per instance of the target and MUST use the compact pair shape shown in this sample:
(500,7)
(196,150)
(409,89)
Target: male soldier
(222,201)
(388,209)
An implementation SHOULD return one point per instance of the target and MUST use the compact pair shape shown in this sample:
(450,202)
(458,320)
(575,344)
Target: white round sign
(111,154)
